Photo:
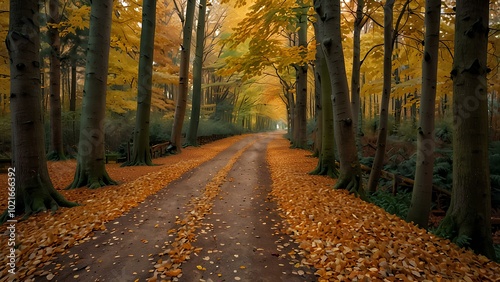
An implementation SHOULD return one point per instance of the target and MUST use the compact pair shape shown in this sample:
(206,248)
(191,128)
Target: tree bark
(355,76)
(469,214)
(72,95)
(326,162)
(181,102)
(378,161)
(318,132)
(300,140)
(56,151)
(34,191)
(422,189)
(141,154)
(331,42)
(90,169)
(192,134)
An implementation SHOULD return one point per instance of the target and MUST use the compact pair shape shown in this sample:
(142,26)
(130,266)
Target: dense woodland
(404,90)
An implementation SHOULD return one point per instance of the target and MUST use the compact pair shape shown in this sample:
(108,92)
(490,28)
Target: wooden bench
(160,150)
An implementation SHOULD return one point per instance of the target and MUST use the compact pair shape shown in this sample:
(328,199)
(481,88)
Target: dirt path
(238,240)
(241,238)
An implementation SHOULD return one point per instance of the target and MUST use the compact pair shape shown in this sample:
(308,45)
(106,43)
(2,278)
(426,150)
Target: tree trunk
(192,134)
(181,102)
(355,76)
(300,140)
(90,169)
(56,151)
(72,95)
(318,135)
(291,116)
(331,41)
(326,162)
(34,191)
(469,214)
(141,154)
(422,189)
(378,161)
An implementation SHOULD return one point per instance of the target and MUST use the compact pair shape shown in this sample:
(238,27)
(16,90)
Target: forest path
(237,240)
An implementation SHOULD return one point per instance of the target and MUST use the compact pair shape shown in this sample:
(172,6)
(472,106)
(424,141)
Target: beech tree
(300,123)
(56,151)
(192,133)
(180,105)
(141,154)
(469,214)
(326,157)
(422,188)
(34,191)
(90,169)
(390,36)
(331,41)
(359,22)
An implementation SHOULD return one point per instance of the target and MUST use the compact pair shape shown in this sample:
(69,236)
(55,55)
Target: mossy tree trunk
(34,191)
(181,102)
(90,169)
(141,153)
(326,162)
(56,151)
(331,41)
(421,199)
(469,214)
(192,134)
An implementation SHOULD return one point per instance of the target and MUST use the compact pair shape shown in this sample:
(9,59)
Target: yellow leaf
(173,273)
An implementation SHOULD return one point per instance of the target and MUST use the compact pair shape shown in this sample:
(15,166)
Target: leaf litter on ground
(44,235)
(168,268)
(342,237)
(347,239)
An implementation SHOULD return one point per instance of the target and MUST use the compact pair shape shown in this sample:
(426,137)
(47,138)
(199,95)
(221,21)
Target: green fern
(495,181)
(462,240)
(397,205)
(368,161)
(495,169)
(497,252)
(444,131)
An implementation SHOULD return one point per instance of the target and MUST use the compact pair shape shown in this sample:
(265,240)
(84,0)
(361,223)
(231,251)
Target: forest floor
(242,208)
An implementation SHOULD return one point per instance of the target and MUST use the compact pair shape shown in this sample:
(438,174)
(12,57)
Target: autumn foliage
(347,239)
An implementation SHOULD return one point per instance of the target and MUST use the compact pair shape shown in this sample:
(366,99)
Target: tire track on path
(241,239)
(180,250)
(131,244)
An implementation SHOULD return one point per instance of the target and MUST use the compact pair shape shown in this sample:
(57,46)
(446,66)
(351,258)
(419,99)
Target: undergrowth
(497,252)
(394,204)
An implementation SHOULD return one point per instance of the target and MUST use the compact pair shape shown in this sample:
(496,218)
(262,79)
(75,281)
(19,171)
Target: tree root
(56,156)
(83,178)
(139,159)
(323,169)
(38,197)
(351,183)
